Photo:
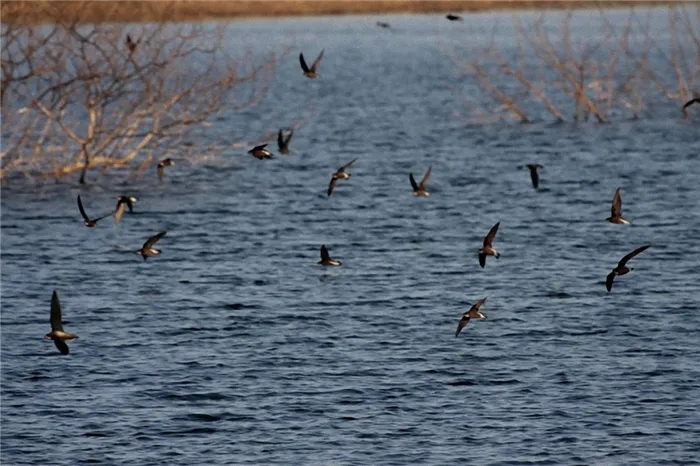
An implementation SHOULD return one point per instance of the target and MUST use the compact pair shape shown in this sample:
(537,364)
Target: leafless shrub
(77,98)
(598,76)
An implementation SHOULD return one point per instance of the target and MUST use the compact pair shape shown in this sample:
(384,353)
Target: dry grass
(44,11)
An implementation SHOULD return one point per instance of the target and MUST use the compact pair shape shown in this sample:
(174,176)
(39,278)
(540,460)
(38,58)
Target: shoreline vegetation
(94,11)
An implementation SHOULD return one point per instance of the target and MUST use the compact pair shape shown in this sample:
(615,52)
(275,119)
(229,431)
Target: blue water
(233,347)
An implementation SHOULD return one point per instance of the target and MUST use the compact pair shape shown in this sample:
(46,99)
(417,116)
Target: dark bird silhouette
(86,220)
(616,210)
(326,258)
(161,167)
(383,24)
(691,102)
(534,176)
(419,189)
(260,153)
(122,203)
(452,17)
(57,334)
(340,174)
(130,44)
(283,141)
(148,249)
(472,313)
(621,268)
(310,72)
(488,249)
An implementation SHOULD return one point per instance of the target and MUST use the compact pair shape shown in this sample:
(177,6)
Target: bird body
(487,249)
(616,210)
(621,268)
(472,313)
(326,258)
(283,141)
(161,167)
(452,17)
(86,220)
(419,190)
(57,334)
(122,203)
(148,250)
(260,153)
(310,72)
(340,174)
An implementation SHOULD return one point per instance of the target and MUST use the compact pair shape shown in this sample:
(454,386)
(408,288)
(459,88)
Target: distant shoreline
(93,11)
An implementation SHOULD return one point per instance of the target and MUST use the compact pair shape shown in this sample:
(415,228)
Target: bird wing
(260,147)
(477,305)
(616,209)
(289,137)
(119,211)
(324,254)
(100,218)
(303,63)
(153,240)
(534,176)
(489,238)
(690,102)
(334,180)
(413,182)
(55,312)
(280,140)
(629,256)
(609,280)
(424,181)
(462,323)
(62,347)
(160,172)
(317,61)
(482,260)
(347,165)
(82,210)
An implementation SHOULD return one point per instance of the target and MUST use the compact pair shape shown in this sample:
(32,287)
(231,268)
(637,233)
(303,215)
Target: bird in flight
(283,141)
(86,220)
(691,102)
(57,334)
(148,249)
(622,268)
(488,249)
(419,189)
(130,44)
(452,17)
(534,176)
(161,167)
(260,153)
(326,258)
(122,203)
(340,174)
(616,210)
(310,72)
(472,313)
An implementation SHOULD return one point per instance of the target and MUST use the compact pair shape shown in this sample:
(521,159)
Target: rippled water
(233,347)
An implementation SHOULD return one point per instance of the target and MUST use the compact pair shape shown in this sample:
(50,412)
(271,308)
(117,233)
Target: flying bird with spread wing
(311,72)
(621,268)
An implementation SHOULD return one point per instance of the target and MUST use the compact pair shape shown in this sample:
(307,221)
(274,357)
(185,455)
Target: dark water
(233,347)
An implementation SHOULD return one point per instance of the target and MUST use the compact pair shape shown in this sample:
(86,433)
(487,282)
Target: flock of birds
(60,336)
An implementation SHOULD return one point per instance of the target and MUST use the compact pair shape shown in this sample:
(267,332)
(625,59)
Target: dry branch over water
(606,74)
(29,12)
(89,98)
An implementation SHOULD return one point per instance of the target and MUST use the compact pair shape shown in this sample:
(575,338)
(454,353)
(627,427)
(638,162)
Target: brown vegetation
(81,98)
(604,74)
(32,12)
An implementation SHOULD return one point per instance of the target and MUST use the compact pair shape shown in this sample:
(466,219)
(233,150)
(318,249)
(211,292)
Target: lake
(234,347)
